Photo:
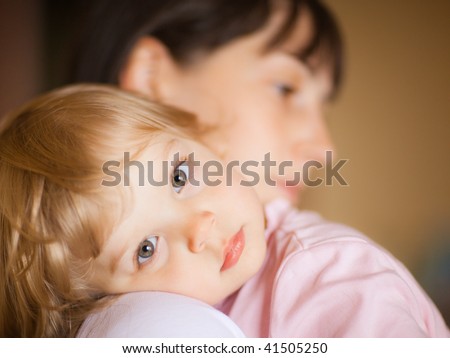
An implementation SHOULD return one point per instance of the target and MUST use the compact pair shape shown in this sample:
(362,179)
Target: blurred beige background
(392,120)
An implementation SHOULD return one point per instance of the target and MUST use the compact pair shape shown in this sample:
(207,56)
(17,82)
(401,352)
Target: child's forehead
(161,145)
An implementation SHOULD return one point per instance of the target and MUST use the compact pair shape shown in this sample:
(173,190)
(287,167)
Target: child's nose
(199,230)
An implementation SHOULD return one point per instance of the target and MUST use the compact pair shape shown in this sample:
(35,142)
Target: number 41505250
(296,347)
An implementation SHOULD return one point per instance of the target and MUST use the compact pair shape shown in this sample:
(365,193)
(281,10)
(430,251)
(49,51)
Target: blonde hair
(52,206)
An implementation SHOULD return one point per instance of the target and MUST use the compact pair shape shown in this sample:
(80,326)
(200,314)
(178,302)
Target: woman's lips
(233,250)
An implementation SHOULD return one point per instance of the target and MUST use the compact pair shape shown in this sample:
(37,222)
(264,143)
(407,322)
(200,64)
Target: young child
(81,224)
(71,239)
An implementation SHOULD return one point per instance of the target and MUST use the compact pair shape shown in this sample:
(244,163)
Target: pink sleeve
(158,315)
(350,288)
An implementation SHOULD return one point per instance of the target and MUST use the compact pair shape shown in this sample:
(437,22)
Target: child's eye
(147,249)
(180,176)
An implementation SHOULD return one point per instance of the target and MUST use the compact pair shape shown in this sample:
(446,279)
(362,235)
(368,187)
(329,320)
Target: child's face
(260,102)
(201,241)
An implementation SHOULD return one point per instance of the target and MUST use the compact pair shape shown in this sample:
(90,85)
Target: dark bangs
(187,28)
(108,30)
(325,42)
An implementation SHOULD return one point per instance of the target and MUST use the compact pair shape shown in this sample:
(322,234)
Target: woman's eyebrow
(312,70)
(297,57)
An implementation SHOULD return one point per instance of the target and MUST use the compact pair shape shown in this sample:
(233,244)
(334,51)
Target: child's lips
(233,250)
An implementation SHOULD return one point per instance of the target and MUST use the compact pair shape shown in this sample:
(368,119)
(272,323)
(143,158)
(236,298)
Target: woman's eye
(284,89)
(147,249)
(180,176)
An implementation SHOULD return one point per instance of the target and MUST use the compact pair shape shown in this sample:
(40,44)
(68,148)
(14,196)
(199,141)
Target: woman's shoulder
(308,240)
(158,315)
(357,279)
(284,222)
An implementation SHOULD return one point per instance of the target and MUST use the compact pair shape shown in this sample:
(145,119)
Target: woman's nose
(199,230)
(313,138)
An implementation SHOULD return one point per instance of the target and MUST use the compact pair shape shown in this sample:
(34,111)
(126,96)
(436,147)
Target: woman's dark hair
(187,27)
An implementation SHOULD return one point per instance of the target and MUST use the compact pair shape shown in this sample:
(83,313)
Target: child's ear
(149,69)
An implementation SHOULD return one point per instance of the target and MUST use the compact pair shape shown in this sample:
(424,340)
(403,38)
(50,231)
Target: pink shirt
(322,279)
